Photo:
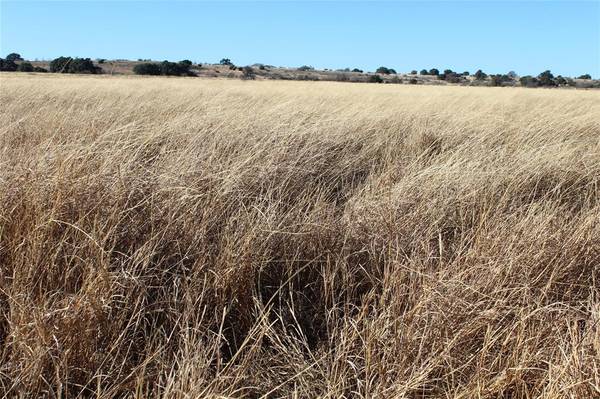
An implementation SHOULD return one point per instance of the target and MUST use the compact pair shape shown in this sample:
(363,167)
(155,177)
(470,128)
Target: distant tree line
(13,62)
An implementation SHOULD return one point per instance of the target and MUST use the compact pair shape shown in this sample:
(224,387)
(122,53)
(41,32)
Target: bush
(25,67)
(181,68)
(261,67)
(413,81)
(357,70)
(165,68)
(465,73)
(248,73)
(14,57)
(586,76)
(480,75)
(413,72)
(546,78)
(424,72)
(39,69)
(499,80)
(529,81)
(147,68)
(375,79)
(73,65)
(7,65)
(101,60)
(560,80)
(225,61)
(385,71)
(306,68)
(453,77)
(434,72)
(83,65)
(446,73)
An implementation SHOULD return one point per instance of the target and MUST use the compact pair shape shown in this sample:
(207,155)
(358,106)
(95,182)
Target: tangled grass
(188,238)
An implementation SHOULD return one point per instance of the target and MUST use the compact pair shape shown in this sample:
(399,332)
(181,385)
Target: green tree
(14,57)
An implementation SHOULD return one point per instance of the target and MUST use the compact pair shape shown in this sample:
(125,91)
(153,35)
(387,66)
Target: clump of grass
(181,239)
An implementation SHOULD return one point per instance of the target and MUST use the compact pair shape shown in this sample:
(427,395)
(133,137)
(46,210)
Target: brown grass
(188,238)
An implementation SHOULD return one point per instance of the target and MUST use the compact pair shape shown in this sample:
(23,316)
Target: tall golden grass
(188,238)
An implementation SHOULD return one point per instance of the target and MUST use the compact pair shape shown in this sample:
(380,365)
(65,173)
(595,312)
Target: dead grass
(187,238)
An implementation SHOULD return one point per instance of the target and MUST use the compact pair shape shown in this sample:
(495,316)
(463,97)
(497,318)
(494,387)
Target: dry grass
(188,238)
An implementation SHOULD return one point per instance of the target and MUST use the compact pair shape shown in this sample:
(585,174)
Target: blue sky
(527,37)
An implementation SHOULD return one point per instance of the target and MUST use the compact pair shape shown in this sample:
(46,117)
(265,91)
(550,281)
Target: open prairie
(188,238)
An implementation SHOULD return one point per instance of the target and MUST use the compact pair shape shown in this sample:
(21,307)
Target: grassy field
(190,238)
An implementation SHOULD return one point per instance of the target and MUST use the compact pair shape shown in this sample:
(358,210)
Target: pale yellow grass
(188,238)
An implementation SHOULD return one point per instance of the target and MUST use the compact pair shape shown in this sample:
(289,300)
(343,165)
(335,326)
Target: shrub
(560,80)
(101,60)
(7,65)
(528,81)
(306,68)
(60,64)
(73,65)
(14,57)
(147,68)
(424,72)
(186,63)
(585,76)
(385,71)
(25,67)
(465,73)
(83,65)
(413,81)
(496,80)
(512,75)
(446,73)
(546,78)
(225,61)
(413,72)
(434,72)
(39,69)
(453,77)
(168,68)
(357,70)
(499,80)
(261,67)
(375,79)
(248,73)
(480,75)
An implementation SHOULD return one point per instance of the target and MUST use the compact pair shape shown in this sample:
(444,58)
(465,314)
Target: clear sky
(527,37)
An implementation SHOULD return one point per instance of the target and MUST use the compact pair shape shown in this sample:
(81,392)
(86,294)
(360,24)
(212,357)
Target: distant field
(187,238)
